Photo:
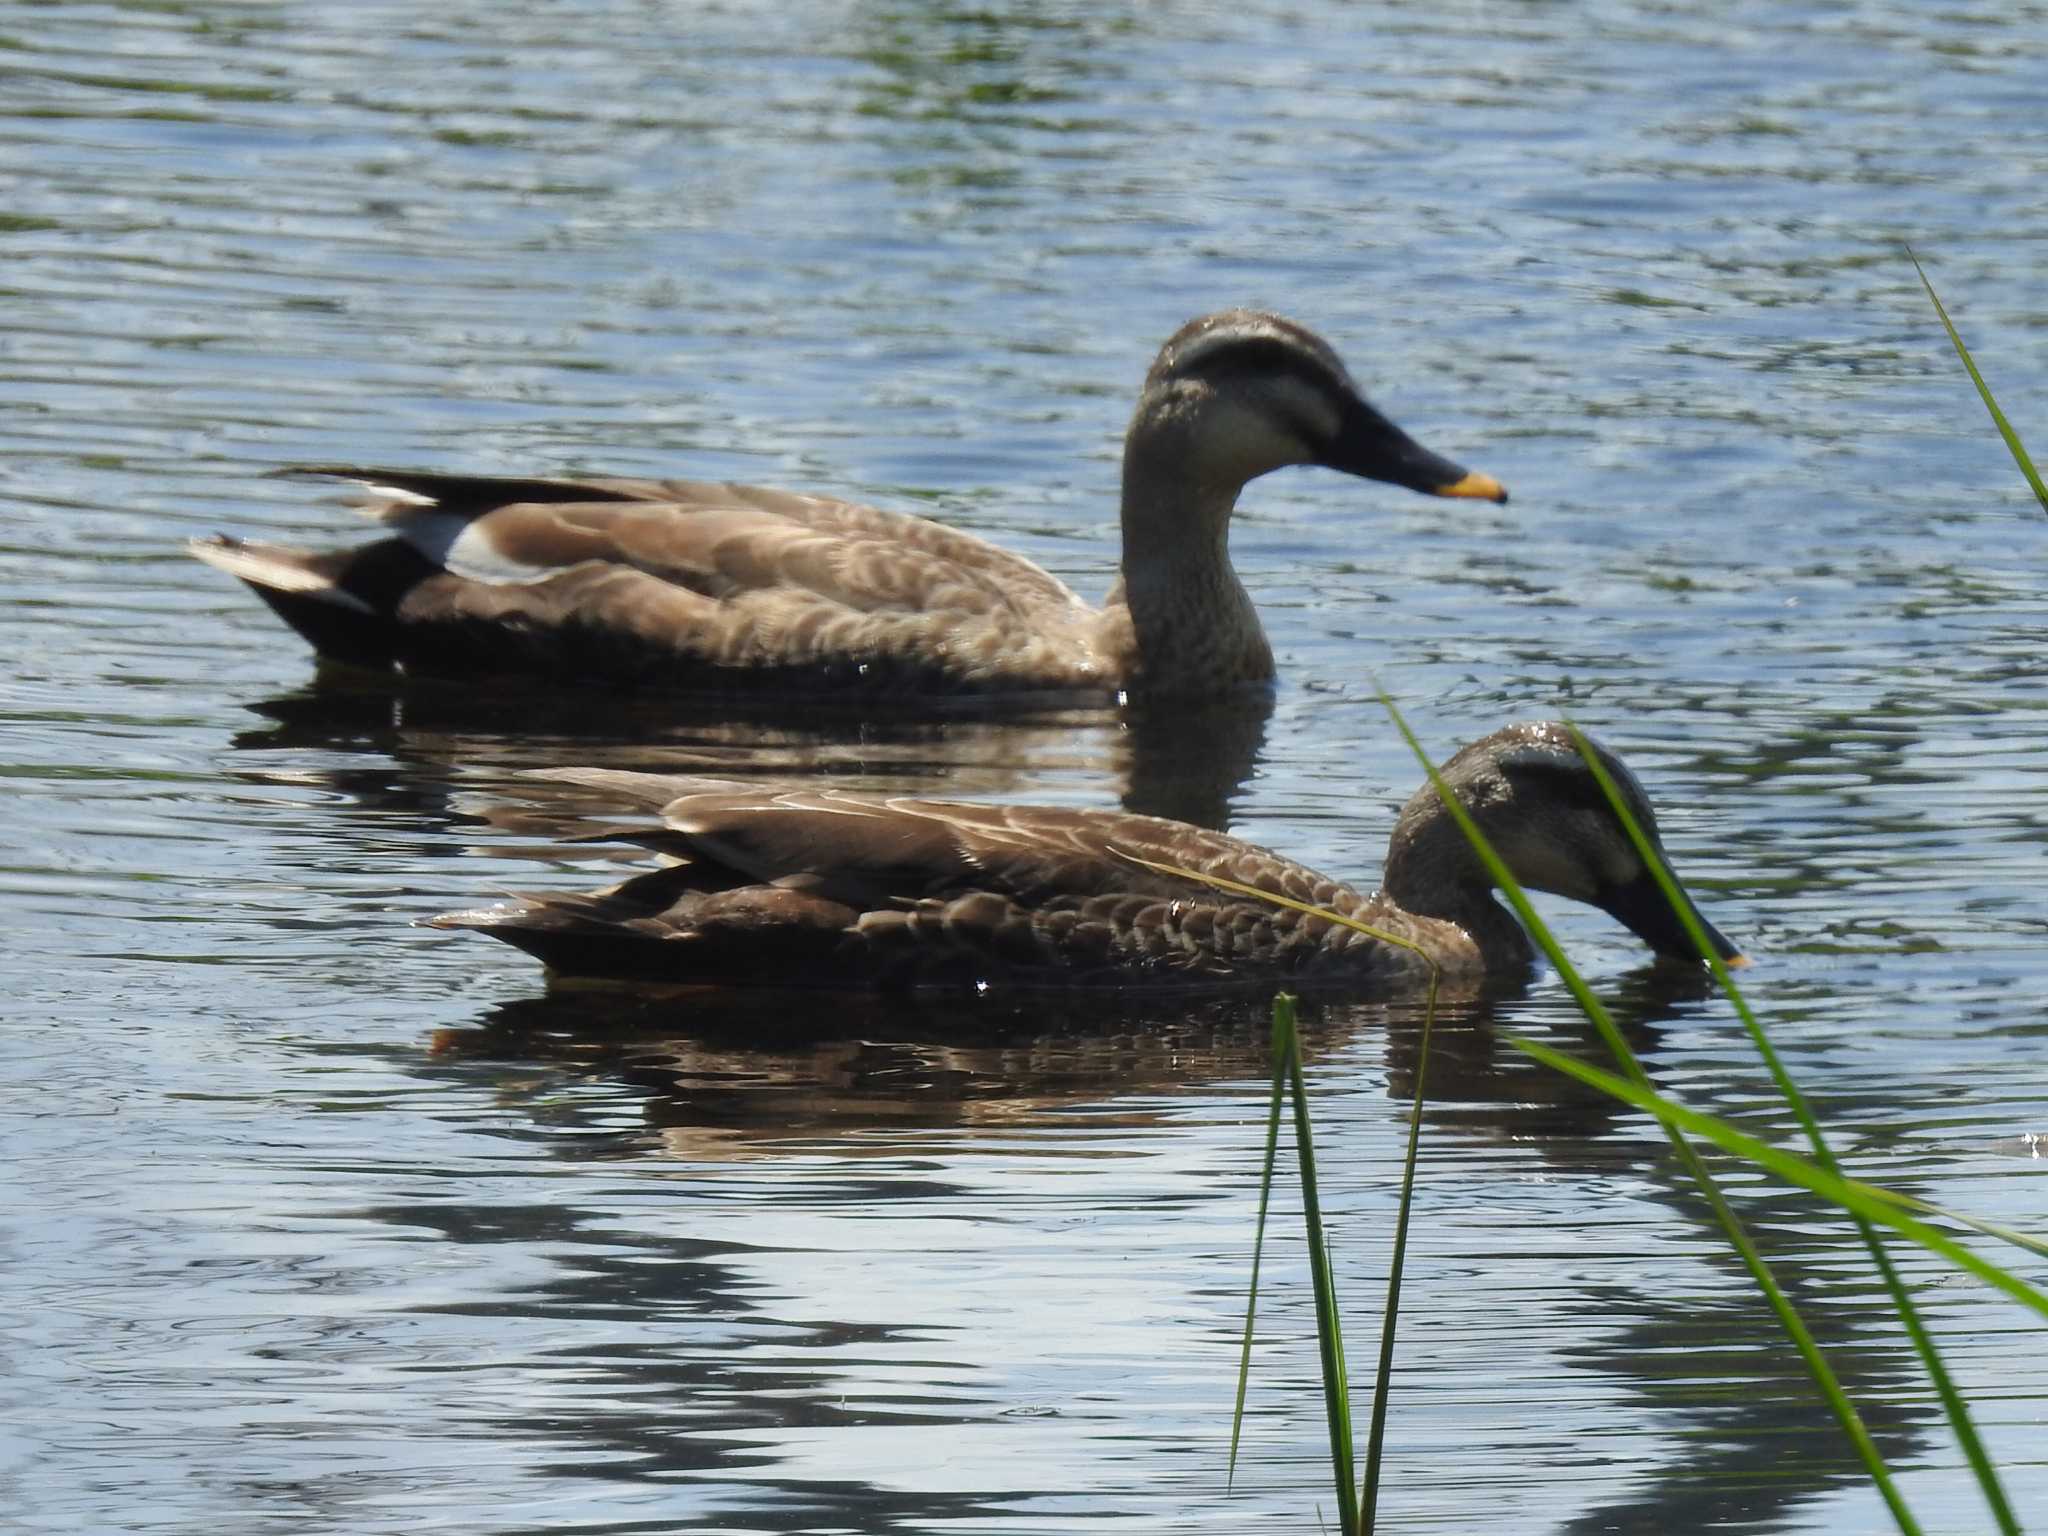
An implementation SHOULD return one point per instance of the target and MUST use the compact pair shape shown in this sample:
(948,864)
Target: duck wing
(792,886)
(691,584)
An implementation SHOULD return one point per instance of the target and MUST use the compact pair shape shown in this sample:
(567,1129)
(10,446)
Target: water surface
(322,1220)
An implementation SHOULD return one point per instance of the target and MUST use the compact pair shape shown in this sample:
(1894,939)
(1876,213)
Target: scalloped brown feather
(825,888)
(798,886)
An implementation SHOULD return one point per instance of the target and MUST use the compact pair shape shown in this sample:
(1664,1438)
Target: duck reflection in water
(736,1073)
(1187,762)
(822,888)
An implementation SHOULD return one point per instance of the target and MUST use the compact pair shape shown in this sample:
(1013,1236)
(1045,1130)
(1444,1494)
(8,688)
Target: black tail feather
(463,495)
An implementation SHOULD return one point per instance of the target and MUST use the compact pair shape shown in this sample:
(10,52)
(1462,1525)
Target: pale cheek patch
(1249,442)
(1541,864)
(465,548)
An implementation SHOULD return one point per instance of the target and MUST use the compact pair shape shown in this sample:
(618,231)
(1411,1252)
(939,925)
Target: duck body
(808,887)
(702,587)
(682,585)
(939,894)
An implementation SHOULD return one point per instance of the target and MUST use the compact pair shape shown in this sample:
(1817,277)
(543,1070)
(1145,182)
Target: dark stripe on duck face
(1308,399)
(1257,358)
(1307,393)
(1566,780)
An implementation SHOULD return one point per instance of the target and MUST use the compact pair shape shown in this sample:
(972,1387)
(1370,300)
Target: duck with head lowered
(729,588)
(787,886)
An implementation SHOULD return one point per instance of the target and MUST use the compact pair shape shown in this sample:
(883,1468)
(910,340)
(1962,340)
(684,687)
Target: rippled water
(322,1220)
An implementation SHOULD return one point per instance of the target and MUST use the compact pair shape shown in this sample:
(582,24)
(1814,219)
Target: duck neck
(1431,872)
(1194,623)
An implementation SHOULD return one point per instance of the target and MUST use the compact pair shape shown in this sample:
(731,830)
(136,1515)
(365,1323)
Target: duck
(700,587)
(794,886)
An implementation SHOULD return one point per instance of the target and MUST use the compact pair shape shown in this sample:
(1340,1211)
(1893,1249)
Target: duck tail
(589,933)
(342,602)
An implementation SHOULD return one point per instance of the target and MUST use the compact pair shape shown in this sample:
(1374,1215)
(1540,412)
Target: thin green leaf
(2005,429)
(1846,1193)
(2034,1245)
(1383,1378)
(1328,1339)
(1251,1302)
(1275,899)
(1329,1329)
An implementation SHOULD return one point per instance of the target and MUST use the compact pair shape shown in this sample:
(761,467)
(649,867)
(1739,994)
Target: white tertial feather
(391,500)
(464,546)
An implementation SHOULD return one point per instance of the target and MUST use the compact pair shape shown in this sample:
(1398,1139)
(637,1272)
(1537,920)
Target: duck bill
(1642,907)
(1369,445)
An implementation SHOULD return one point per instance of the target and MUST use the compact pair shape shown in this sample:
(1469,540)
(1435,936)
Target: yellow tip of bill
(1475,485)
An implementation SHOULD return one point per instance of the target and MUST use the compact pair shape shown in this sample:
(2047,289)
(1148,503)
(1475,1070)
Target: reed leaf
(1287,1072)
(2005,428)
(1383,1376)
(1329,1326)
(1808,1174)
(1251,1304)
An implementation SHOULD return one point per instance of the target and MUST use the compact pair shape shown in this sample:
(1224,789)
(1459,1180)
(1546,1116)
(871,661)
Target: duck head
(1239,393)
(1546,815)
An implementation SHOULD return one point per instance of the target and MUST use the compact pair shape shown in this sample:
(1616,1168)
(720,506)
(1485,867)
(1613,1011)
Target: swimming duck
(820,887)
(696,586)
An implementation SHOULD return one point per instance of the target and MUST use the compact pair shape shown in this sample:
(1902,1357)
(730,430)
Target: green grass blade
(1329,1328)
(2012,438)
(1275,899)
(1285,1040)
(1957,1409)
(1738,1237)
(1251,1302)
(1807,1174)
(1328,1334)
(2034,1245)
(1383,1377)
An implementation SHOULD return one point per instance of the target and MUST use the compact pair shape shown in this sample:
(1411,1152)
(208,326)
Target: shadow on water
(769,1062)
(727,1078)
(723,1071)
(1188,762)
(694,1368)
